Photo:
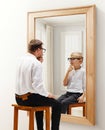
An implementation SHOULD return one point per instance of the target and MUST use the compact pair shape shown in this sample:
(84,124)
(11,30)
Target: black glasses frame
(73,59)
(44,50)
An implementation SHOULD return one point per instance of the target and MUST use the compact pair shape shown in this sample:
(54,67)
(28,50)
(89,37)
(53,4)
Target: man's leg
(39,120)
(56,110)
(38,100)
(56,114)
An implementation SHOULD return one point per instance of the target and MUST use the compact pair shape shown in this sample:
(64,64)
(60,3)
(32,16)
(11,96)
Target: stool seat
(31,111)
(77,105)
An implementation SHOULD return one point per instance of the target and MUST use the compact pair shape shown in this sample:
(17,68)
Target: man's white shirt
(29,76)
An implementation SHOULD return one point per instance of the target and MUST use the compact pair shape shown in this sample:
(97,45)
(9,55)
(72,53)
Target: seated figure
(75,81)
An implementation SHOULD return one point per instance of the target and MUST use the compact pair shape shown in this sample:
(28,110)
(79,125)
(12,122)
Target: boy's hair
(77,55)
(34,45)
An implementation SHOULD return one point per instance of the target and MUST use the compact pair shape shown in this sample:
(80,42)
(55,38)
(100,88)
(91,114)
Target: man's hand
(51,95)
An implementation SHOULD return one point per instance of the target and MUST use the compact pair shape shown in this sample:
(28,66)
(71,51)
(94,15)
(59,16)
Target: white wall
(13,38)
(59,44)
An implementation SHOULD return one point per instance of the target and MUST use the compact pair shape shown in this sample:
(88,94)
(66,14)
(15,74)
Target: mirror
(67,34)
(85,16)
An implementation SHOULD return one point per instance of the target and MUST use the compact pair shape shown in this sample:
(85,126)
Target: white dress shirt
(77,81)
(29,76)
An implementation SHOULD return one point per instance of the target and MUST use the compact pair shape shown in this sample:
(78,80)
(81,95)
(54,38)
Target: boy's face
(76,62)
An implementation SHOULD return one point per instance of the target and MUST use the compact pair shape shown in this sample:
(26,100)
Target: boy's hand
(70,68)
(80,99)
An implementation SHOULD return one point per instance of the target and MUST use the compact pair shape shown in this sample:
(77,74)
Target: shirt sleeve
(37,81)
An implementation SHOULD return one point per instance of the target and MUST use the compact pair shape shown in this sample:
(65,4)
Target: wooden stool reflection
(31,111)
(77,105)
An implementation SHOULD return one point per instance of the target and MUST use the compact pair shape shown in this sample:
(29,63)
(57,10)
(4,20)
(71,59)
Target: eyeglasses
(69,59)
(44,50)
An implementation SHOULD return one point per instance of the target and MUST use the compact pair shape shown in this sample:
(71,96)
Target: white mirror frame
(89,119)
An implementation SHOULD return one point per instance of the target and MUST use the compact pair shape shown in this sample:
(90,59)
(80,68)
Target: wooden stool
(31,111)
(77,105)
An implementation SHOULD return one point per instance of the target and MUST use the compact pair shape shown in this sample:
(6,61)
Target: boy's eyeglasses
(69,59)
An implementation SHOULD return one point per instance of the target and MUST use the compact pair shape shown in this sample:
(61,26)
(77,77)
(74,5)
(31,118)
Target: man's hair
(34,45)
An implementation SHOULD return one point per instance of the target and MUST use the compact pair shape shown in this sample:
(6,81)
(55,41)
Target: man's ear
(38,49)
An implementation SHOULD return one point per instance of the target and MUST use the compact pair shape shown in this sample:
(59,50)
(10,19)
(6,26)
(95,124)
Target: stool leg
(31,120)
(15,118)
(83,110)
(69,110)
(47,116)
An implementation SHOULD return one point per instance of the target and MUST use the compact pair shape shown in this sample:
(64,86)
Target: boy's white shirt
(77,81)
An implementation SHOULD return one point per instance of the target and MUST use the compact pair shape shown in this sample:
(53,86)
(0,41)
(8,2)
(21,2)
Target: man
(30,90)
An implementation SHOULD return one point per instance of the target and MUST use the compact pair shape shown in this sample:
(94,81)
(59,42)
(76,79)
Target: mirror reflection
(61,36)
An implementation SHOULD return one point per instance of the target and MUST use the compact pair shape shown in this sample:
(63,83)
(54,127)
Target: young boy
(75,80)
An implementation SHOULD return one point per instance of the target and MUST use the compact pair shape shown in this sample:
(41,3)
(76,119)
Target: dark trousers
(67,99)
(38,100)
